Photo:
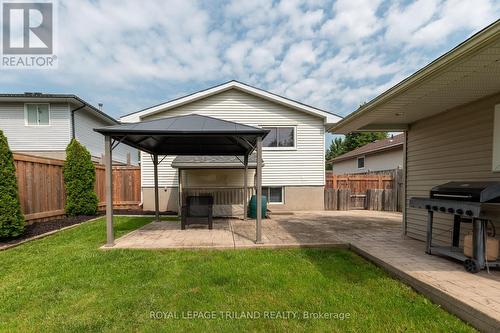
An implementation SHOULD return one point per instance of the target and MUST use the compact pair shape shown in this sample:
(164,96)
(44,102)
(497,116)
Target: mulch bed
(39,228)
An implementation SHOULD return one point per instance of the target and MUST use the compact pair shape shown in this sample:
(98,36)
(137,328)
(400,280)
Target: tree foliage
(356,140)
(336,149)
(351,141)
(79,180)
(11,218)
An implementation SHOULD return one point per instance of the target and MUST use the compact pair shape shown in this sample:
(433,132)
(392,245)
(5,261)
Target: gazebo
(189,135)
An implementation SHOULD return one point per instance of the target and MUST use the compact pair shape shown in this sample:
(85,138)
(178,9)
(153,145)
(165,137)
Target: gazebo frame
(184,135)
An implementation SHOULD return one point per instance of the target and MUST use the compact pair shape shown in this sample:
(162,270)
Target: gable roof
(395,142)
(62,98)
(329,118)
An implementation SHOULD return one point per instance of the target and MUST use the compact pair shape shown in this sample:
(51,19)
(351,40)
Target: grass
(65,283)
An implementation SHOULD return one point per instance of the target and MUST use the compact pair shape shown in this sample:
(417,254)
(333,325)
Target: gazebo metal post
(108,162)
(245,187)
(180,200)
(157,203)
(258,185)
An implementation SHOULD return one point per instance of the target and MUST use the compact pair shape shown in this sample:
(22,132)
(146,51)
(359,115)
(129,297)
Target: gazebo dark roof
(187,135)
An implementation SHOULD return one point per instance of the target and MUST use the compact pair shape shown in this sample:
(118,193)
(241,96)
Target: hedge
(11,218)
(79,180)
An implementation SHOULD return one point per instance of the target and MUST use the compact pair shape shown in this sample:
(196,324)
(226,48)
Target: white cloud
(334,55)
(354,19)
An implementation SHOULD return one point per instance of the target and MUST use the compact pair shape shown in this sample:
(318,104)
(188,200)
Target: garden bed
(40,228)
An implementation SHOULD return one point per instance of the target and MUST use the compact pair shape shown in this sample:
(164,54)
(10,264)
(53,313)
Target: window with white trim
(273,194)
(496,141)
(361,162)
(279,137)
(37,114)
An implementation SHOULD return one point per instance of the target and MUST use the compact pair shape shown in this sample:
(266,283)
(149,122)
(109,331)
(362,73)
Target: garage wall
(456,145)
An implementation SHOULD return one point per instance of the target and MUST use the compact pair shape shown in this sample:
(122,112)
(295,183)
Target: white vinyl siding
(456,145)
(380,161)
(52,137)
(301,166)
(496,140)
(94,142)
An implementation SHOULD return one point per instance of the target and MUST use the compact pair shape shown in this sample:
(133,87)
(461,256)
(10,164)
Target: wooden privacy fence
(41,187)
(359,183)
(374,199)
(373,191)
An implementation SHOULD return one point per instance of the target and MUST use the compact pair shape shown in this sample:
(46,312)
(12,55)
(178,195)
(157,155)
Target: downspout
(73,135)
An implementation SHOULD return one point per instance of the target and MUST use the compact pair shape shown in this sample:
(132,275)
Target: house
(450,113)
(44,124)
(381,155)
(293,176)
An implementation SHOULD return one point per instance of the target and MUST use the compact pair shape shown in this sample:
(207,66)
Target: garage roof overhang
(187,135)
(469,72)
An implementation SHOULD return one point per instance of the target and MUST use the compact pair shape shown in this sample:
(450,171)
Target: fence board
(361,186)
(41,187)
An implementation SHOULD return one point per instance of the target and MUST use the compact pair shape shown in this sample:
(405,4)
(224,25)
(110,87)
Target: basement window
(361,162)
(496,140)
(37,114)
(274,194)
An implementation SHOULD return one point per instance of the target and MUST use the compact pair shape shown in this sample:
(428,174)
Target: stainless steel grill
(468,202)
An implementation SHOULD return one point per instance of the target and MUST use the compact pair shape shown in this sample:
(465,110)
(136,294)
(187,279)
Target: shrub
(11,217)
(79,180)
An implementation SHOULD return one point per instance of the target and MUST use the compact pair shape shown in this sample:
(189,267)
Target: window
(361,162)
(496,140)
(273,194)
(37,114)
(280,137)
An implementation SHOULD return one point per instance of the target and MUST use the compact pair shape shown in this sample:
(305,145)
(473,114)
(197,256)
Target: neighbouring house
(381,155)
(44,124)
(293,176)
(450,112)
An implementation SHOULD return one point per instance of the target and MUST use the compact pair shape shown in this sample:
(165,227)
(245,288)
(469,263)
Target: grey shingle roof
(370,148)
(187,135)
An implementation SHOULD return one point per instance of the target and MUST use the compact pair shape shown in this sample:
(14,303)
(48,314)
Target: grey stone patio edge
(475,318)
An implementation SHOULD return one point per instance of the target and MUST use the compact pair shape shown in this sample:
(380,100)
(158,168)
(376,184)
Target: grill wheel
(471,266)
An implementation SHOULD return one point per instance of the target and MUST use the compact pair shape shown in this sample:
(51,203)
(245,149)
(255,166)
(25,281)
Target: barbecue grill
(470,202)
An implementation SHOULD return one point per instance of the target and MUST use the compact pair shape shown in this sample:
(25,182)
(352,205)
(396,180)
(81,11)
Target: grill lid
(468,191)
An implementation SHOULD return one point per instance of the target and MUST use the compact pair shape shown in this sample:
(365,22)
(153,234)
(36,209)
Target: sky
(334,55)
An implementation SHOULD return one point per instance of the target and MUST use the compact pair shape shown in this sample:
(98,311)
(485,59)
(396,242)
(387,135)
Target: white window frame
(282,195)
(282,148)
(364,162)
(495,165)
(26,115)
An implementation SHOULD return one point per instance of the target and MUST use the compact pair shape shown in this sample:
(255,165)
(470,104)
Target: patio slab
(374,235)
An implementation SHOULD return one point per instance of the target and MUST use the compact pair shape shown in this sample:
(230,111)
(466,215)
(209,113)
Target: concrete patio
(374,235)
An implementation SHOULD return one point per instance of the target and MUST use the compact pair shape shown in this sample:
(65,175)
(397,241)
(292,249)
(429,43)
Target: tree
(11,218)
(356,140)
(79,180)
(336,148)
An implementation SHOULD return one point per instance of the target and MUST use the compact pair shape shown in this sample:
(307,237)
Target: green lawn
(64,282)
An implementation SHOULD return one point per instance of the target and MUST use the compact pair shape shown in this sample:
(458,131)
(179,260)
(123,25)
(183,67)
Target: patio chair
(197,210)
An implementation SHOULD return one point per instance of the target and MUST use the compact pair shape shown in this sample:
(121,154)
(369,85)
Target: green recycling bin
(252,207)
